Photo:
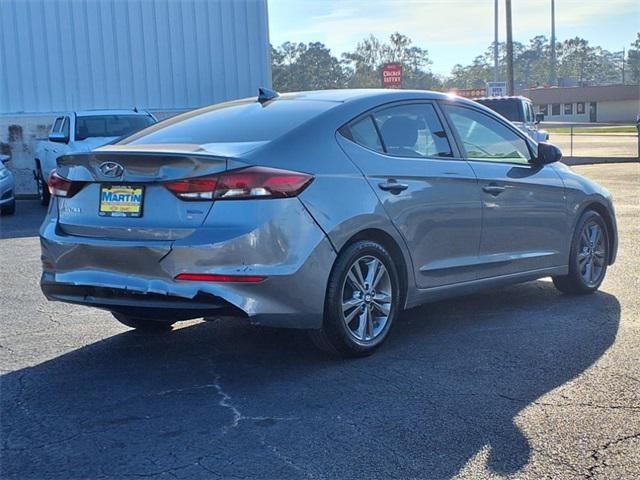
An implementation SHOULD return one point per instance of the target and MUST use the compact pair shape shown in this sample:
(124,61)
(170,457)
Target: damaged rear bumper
(278,241)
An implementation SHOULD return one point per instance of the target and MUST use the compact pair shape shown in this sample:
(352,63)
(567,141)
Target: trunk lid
(136,177)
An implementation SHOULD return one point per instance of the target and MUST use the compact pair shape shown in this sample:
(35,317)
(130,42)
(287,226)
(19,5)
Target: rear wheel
(588,258)
(362,301)
(143,324)
(43,189)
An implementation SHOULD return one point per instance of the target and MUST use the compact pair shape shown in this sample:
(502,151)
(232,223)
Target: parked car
(519,111)
(329,211)
(7,188)
(82,132)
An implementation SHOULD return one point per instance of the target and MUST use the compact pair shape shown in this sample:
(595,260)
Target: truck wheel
(43,190)
(142,324)
(9,209)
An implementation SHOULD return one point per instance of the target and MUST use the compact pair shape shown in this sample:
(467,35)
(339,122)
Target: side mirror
(4,158)
(58,137)
(539,117)
(547,153)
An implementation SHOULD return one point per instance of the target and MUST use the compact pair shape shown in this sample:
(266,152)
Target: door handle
(393,187)
(493,189)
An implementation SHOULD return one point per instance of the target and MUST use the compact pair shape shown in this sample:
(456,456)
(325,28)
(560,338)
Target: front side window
(412,130)
(568,108)
(56,125)
(580,108)
(65,127)
(544,109)
(555,109)
(485,138)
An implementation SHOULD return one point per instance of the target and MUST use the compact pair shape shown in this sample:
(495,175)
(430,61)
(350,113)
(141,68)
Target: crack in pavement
(597,453)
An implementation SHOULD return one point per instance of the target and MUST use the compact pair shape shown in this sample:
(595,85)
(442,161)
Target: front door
(430,195)
(524,214)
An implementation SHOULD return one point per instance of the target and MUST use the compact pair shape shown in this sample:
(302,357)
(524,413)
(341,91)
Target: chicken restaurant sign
(392,75)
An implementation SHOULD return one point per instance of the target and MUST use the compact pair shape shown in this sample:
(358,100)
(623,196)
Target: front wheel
(362,301)
(588,258)
(142,324)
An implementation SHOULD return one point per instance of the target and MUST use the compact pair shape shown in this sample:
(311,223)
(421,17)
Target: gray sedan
(7,188)
(330,211)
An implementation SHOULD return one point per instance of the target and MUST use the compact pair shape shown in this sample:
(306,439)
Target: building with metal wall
(165,56)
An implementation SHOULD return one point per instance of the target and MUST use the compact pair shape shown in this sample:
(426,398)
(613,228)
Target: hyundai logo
(111,169)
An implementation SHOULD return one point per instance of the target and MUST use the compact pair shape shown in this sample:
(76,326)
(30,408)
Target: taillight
(62,187)
(245,183)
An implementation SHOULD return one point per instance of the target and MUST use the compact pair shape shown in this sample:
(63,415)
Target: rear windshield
(509,109)
(110,125)
(243,121)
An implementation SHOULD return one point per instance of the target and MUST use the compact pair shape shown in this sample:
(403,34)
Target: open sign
(392,75)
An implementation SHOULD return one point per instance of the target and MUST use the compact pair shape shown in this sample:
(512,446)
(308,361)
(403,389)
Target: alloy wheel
(367,298)
(592,253)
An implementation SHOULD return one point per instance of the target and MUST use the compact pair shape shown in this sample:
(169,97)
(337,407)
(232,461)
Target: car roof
(346,95)
(94,113)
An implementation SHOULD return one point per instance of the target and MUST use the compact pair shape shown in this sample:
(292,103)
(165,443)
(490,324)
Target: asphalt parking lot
(521,382)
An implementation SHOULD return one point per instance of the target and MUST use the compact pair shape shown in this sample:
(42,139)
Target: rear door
(429,193)
(524,213)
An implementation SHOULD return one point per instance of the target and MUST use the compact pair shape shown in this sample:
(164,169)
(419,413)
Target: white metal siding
(58,55)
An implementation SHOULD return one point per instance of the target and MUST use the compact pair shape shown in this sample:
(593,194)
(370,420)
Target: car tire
(362,301)
(588,258)
(43,190)
(142,324)
(9,209)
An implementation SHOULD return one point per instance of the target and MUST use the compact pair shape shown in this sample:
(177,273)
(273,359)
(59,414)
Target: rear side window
(364,133)
(241,121)
(412,130)
(110,125)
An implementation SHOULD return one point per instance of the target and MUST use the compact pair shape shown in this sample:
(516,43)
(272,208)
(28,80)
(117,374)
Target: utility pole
(510,86)
(553,80)
(496,69)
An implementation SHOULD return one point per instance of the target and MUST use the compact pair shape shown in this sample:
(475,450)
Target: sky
(453,31)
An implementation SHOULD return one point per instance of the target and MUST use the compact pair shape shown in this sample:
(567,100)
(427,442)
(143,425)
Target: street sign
(496,89)
(392,75)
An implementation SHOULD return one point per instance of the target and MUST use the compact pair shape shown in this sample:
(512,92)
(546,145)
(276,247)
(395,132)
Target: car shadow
(223,399)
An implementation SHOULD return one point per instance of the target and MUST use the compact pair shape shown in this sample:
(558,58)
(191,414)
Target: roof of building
(583,94)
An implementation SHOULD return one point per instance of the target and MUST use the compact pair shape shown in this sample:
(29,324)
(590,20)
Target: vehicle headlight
(4,173)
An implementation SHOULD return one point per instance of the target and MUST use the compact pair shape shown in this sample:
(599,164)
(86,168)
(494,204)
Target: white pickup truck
(81,132)
(519,111)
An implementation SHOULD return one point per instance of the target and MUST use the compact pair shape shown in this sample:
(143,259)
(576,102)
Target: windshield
(509,109)
(110,125)
(234,122)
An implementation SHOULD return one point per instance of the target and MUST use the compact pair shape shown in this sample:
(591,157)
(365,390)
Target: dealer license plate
(121,200)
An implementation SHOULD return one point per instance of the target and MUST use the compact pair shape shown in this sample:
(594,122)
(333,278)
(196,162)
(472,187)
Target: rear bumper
(139,304)
(281,242)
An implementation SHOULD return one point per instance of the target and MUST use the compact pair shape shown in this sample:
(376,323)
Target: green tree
(633,61)
(365,63)
(299,66)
